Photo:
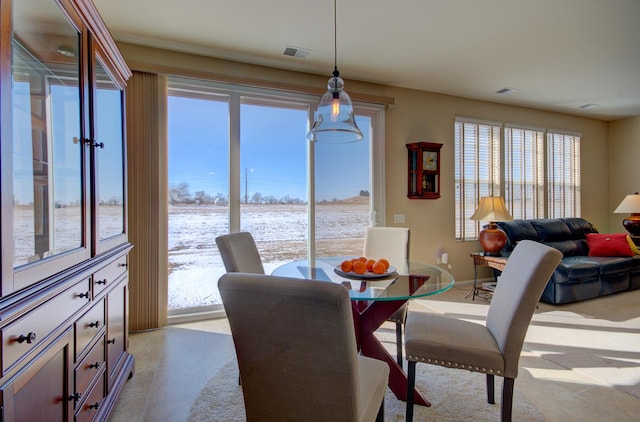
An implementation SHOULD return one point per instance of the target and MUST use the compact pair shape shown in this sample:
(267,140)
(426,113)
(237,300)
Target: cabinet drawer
(90,407)
(108,274)
(86,371)
(26,333)
(88,326)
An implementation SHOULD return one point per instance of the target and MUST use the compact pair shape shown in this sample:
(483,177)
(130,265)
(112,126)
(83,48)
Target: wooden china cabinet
(64,286)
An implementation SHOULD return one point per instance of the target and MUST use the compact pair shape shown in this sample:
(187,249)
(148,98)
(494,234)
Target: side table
(482,260)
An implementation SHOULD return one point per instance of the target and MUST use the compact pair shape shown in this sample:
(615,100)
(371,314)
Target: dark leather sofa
(578,276)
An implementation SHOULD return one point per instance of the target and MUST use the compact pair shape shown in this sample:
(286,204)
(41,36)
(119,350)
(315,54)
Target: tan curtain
(146,113)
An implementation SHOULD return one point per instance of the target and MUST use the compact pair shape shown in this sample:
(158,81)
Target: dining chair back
(391,243)
(492,348)
(296,349)
(240,253)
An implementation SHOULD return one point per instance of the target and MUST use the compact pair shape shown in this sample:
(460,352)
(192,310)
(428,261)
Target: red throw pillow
(608,244)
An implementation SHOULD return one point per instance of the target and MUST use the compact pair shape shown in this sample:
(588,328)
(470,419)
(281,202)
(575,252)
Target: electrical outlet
(398,218)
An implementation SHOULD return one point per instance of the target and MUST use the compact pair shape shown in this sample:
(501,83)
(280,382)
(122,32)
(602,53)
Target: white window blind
(538,179)
(563,175)
(477,171)
(524,172)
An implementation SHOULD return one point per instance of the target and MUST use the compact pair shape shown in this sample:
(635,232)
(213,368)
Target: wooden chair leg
(507,399)
(380,417)
(399,343)
(490,389)
(411,384)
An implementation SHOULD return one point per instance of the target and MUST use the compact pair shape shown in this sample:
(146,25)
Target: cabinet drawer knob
(94,365)
(103,281)
(82,295)
(122,264)
(94,324)
(94,405)
(75,397)
(29,338)
(111,341)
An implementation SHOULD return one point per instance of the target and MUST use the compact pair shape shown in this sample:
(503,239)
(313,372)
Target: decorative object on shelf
(492,209)
(630,205)
(424,170)
(335,122)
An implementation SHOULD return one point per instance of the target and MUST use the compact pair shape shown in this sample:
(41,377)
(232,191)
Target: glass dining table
(374,298)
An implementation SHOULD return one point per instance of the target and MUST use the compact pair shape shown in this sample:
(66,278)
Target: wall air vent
(507,91)
(587,106)
(296,52)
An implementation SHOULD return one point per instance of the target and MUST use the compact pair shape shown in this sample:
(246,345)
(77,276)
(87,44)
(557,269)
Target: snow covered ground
(280,231)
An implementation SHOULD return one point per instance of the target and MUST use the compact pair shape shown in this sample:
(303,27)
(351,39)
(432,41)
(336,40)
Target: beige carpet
(455,395)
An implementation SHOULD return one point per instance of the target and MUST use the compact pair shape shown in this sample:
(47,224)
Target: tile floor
(581,362)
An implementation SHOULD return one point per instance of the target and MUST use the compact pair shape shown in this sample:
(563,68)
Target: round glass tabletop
(410,280)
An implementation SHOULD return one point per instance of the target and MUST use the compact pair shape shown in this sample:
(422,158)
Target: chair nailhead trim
(454,365)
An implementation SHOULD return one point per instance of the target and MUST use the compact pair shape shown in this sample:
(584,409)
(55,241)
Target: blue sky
(273,152)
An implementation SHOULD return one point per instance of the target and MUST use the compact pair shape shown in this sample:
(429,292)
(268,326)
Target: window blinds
(536,170)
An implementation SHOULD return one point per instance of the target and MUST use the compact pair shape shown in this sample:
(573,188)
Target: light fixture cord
(335,39)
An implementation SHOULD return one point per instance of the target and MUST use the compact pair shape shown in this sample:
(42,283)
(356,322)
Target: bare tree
(179,194)
(256,198)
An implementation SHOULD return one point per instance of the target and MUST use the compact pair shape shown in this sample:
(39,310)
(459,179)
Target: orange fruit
(369,264)
(379,267)
(385,262)
(359,267)
(363,259)
(346,266)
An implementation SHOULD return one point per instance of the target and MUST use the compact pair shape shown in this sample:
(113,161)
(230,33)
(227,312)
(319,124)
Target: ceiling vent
(296,52)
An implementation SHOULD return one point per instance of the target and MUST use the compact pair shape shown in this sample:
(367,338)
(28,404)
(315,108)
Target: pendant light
(335,122)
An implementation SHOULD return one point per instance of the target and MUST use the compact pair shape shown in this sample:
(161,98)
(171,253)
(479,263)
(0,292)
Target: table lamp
(630,205)
(492,209)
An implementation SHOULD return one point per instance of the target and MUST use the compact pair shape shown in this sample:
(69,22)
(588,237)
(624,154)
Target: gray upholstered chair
(297,353)
(391,243)
(239,253)
(494,347)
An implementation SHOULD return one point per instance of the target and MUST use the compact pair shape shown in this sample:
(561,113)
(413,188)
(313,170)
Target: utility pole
(246,183)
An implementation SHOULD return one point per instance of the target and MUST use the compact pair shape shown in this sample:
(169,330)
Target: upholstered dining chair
(240,253)
(296,349)
(391,243)
(494,347)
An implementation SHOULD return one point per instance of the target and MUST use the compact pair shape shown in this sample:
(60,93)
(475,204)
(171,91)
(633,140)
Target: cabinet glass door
(109,158)
(47,152)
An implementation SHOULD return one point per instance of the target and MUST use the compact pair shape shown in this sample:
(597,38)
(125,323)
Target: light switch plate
(398,218)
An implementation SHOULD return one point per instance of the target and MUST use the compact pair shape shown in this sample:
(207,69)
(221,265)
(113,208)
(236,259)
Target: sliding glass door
(273,179)
(239,160)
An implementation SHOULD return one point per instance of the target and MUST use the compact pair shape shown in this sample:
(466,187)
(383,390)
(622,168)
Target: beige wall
(424,116)
(624,163)
(430,117)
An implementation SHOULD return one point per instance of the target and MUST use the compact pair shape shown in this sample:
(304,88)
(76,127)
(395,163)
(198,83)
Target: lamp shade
(335,122)
(630,205)
(491,208)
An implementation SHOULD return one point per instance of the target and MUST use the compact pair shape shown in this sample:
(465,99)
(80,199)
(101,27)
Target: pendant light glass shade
(335,122)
